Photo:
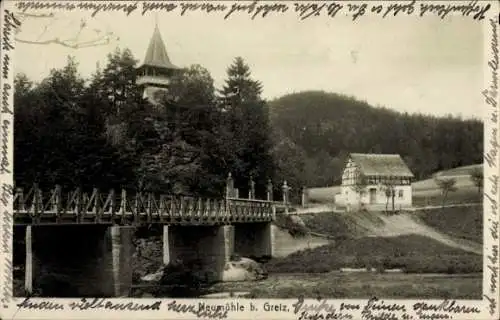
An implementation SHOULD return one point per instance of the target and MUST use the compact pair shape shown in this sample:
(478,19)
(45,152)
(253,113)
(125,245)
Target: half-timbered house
(376,181)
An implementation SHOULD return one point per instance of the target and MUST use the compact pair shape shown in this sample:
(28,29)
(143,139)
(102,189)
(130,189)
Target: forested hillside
(314,132)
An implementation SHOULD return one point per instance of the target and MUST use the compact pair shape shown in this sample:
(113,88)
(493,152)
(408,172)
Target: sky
(404,63)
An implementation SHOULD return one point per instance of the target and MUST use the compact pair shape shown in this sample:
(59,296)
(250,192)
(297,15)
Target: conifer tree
(246,120)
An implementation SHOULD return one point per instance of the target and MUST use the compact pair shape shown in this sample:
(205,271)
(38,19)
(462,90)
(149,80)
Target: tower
(157,70)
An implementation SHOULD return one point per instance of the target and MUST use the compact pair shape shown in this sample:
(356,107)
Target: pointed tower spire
(156,55)
(157,69)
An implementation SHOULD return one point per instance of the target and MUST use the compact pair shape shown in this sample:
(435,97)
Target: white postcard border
(10,310)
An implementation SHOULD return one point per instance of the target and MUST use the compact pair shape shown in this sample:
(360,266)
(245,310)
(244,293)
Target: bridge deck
(76,207)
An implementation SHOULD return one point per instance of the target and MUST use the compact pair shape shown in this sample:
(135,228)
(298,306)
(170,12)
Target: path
(445,206)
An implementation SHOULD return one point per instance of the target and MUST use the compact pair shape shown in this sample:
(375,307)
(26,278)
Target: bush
(293,223)
(182,280)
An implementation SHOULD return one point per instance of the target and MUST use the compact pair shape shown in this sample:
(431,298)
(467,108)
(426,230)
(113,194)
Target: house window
(400,193)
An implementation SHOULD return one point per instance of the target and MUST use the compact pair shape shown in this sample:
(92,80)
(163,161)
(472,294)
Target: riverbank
(363,285)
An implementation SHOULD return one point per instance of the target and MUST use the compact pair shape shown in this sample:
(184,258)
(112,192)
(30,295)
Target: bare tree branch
(100,38)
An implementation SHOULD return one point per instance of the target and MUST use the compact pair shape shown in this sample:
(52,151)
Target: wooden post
(136,208)
(112,202)
(37,201)
(123,205)
(123,202)
(181,206)
(96,208)
(57,202)
(199,210)
(229,186)
(206,208)
(303,198)
(191,207)
(269,190)
(251,192)
(78,204)
(20,198)
(138,202)
(149,204)
(285,190)
(213,209)
(172,207)
(162,207)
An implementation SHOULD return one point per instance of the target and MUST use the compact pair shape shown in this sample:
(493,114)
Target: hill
(315,131)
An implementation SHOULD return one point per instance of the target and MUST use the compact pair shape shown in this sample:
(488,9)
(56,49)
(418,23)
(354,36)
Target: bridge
(88,237)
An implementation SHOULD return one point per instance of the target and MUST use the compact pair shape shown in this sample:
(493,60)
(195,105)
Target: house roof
(372,164)
(156,55)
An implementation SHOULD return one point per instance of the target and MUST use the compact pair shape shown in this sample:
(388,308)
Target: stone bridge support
(78,261)
(212,246)
(254,240)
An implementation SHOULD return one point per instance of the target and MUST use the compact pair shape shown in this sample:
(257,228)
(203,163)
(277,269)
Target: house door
(373,195)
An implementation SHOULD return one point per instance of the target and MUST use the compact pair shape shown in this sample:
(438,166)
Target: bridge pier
(78,261)
(255,240)
(211,246)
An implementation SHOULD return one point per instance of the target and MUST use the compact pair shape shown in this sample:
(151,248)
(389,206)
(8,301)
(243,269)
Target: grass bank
(460,222)
(412,253)
(362,286)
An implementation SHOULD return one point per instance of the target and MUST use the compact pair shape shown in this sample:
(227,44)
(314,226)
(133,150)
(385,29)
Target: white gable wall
(350,198)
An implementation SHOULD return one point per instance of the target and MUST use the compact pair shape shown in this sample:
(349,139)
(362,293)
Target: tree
(290,161)
(72,150)
(477,176)
(446,185)
(246,121)
(179,141)
(389,190)
(115,84)
(360,186)
(240,87)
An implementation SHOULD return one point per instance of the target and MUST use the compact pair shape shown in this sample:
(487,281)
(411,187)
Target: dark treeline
(100,132)
(315,131)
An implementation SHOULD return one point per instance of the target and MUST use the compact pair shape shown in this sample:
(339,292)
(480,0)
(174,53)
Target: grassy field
(412,253)
(362,286)
(459,171)
(435,198)
(461,222)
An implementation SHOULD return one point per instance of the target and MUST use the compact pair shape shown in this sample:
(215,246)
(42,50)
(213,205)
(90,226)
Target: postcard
(304,160)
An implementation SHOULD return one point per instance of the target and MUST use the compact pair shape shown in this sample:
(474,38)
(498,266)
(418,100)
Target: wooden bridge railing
(54,206)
